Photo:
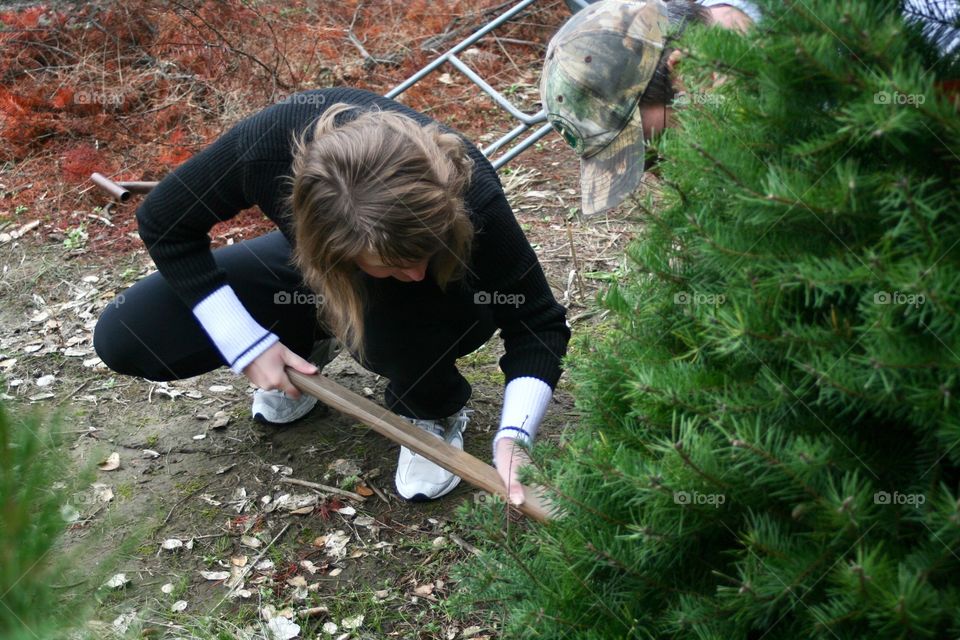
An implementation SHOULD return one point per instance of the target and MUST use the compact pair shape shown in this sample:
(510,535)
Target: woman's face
(373,266)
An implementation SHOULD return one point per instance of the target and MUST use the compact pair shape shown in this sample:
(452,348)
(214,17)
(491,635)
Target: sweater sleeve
(175,219)
(508,277)
(174,223)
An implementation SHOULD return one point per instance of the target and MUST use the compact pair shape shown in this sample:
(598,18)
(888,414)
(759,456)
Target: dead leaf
(445,78)
(345,468)
(352,623)
(335,572)
(171,544)
(297,581)
(251,541)
(220,420)
(215,575)
(112,463)
(363,490)
(102,492)
(336,544)
(239,561)
(347,511)
(280,628)
(424,590)
(117,581)
(45,381)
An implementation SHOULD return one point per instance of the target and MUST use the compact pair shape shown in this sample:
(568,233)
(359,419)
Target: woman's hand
(266,371)
(509,458)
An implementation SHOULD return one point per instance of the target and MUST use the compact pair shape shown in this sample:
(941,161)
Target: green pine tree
(769,446)
(41,595)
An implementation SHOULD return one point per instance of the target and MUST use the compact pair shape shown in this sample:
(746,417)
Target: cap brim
(610,175)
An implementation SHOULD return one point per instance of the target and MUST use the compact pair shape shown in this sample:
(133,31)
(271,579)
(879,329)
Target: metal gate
(526,121)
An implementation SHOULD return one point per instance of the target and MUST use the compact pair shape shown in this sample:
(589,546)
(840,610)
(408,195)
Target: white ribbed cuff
(236,334)
(525,401)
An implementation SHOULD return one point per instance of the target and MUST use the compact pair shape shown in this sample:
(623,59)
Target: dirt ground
(216,496)
(192,508)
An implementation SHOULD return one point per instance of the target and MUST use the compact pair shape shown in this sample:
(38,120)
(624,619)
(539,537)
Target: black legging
(414,332)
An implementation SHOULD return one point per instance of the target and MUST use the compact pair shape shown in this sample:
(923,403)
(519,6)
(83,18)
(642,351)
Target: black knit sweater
(249,165)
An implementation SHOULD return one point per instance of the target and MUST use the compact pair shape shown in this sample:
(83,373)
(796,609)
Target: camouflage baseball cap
(598,64)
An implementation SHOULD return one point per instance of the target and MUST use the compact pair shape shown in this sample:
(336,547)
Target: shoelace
(455,427)
(458,424)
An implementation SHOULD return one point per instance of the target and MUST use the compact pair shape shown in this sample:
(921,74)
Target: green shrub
(770,447)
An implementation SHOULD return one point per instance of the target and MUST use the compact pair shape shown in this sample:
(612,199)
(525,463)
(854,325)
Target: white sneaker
(418,479)
(275,407)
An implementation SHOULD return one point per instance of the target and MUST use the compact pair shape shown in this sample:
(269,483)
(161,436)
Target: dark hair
(680,13)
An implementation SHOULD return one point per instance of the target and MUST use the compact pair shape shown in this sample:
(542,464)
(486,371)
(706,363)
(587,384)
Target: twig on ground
(463,544)
(576,262)
(323,488)
(380,494)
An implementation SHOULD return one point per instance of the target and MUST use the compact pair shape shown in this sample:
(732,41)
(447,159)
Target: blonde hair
(383,184)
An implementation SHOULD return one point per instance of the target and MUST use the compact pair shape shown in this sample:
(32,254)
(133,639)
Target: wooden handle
(438,451)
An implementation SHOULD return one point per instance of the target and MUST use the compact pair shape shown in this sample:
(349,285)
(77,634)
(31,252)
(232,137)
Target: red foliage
(175,152)
(79,162)
(143,85)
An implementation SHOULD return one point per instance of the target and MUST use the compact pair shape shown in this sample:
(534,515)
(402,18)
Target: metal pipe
(517,150)
(490,26)
(490,91)
(110,187)
(137,186)
(507,137)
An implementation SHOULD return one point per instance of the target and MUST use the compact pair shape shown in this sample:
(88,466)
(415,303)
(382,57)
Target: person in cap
(607,84)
